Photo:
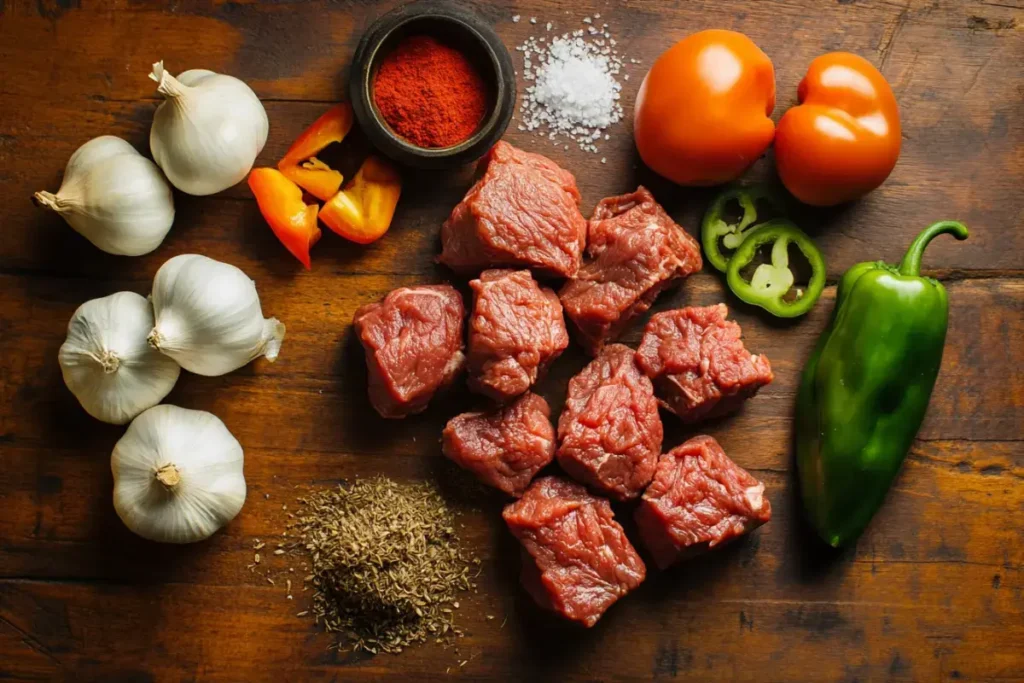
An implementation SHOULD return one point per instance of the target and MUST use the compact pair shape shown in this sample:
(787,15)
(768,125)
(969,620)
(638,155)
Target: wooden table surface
(932,591)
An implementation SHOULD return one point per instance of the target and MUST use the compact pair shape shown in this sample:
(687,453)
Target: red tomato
(702,114)
(843,139)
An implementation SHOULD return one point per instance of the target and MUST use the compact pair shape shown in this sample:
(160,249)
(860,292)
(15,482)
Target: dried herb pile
(385,563)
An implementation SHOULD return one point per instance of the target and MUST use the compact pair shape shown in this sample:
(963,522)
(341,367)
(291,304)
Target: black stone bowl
(460,29)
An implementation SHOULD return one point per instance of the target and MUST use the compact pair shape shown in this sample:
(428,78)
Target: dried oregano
(385,563)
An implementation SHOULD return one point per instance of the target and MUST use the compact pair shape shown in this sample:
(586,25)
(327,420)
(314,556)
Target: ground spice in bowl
(430,93)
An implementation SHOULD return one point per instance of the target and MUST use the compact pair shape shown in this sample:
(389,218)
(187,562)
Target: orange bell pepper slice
(362,212)
(300,164)
(291,219)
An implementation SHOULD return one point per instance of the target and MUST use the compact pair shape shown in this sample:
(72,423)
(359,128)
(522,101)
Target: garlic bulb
(114,197)
(108,364)
(208,316)
(208,131)
(177,475)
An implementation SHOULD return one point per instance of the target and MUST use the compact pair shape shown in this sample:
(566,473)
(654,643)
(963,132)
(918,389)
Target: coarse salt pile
(574,91)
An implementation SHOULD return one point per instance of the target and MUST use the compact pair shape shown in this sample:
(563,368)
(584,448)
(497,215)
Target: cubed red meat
(698,363)
(506,447)
(523,212)
(413,344)
(699,499)
(577,560)
(610,432)
(636,251)
(516,330)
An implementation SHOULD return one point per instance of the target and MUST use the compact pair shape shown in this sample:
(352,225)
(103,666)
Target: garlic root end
(109,361)
(168,475)
(154,338)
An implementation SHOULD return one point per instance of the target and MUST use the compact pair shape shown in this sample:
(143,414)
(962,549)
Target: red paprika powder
(430,93)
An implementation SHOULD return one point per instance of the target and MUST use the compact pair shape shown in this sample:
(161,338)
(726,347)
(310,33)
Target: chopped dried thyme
(386,565)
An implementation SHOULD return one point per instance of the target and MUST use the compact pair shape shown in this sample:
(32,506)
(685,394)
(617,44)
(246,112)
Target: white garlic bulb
(208,316)
(208,131)
(177,475)
(114,197)
(108,364)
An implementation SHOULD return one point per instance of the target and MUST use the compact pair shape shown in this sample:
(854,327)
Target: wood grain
(934,589)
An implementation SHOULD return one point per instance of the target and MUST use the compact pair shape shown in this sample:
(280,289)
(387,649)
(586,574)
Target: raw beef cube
(413,344)
(523,212)
(609,431)
(577,560)
(636,251)
(698,363)
(699,499)
(504,448)
(515,331)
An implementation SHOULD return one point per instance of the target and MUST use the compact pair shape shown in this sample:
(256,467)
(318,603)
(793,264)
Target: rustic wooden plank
(881,226)
(949,167)
(313,397)
(24,659)
(63,526)
(664,628)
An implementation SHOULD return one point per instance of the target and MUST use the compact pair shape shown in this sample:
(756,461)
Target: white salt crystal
(573,91)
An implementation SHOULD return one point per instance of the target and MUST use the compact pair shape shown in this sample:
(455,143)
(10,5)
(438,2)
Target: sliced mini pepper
(362,212)
(291,219)
(720,237)
(300,164)
(771,284)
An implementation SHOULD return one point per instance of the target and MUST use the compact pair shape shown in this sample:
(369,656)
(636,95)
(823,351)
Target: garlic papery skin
(107,362)
(177,475)
(114,197)
(208,316)
(208,131)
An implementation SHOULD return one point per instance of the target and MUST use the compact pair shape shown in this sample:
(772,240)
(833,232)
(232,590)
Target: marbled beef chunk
(698,363)
(413,344)
(523,212)
(699,499)
(506,447)
(516,330)
(609,431)
(577,560)
(636,250)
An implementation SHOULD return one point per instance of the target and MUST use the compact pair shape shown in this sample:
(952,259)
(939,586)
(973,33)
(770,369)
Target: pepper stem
(911,263)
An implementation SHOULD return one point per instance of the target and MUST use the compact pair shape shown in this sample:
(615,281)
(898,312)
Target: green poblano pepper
(866,387)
